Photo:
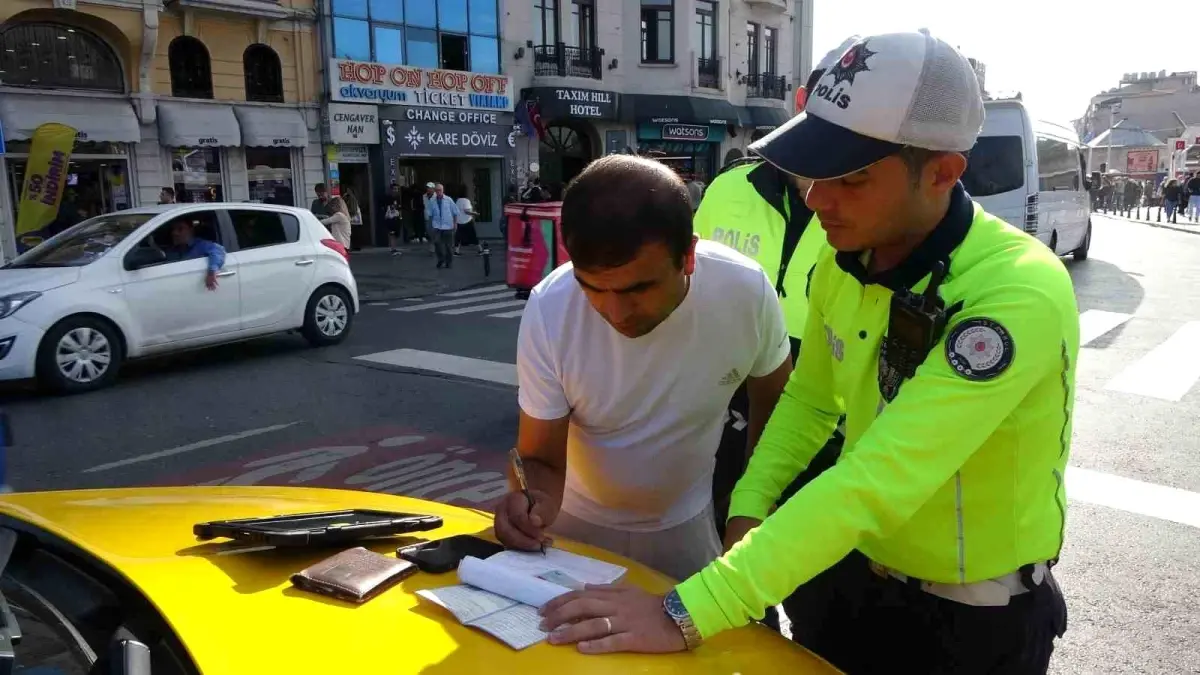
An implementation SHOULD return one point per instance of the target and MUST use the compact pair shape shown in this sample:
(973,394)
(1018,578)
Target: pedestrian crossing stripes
(1162,363)
(489,300)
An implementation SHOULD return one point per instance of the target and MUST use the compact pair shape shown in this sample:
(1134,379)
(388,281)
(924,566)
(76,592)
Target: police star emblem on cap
(853,62)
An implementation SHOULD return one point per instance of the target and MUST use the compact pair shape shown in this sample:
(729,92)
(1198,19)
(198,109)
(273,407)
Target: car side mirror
(144,256)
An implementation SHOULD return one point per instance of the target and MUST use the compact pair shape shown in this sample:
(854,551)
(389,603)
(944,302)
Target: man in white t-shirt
(626,360)
(465,232)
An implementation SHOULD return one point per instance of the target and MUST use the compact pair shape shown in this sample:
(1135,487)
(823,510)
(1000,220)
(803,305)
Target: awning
(272,127)
(658,109)
(762,117)
(190,125)
(104,120)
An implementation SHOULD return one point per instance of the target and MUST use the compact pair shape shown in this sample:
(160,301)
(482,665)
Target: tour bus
(1032,173)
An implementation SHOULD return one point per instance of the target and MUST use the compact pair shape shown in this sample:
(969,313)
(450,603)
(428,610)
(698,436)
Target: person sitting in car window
(185,245)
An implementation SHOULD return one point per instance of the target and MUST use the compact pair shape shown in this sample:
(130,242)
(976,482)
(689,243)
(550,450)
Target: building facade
(1162,103)
(217,99)
(414,95)
(481,94)
(692,82)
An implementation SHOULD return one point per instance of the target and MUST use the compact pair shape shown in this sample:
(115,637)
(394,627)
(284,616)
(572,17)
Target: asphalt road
(421,423)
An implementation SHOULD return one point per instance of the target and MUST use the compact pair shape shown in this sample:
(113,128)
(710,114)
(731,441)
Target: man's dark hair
(319,187)
(620,203)
(169,191)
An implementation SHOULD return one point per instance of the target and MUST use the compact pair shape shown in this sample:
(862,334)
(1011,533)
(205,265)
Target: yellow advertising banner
(45,179)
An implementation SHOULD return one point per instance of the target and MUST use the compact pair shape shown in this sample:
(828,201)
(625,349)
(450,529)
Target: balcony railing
(766,85)
(560,60)
(708,73)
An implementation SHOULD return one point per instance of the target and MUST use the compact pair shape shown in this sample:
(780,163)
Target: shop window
(485,54)
(452,15)
(658,31)
(269,175)
(482,15)
(256,229)
(389,44)
(452,34)
(421,13)
(752,30)
(197,175)
(351,39)
(771,47)
(581,29)
(454,52)
(545,22)
(191,69)
(264,74)
(704,30)
(422,48)
(55,56)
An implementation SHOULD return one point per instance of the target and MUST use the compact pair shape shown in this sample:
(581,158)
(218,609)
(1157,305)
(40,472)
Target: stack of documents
(501,595)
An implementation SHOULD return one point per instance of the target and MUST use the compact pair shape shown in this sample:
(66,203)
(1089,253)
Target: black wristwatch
(674,608)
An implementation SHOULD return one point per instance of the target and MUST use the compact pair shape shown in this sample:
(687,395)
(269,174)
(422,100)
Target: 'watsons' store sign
(389,84)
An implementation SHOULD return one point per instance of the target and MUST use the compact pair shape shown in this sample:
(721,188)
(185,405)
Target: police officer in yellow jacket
(755,208)
(948,339)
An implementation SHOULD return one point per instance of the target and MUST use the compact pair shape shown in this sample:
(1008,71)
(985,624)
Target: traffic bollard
(485,252)
(1159,214)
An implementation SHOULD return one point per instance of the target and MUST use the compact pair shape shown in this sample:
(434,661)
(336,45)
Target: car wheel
(79,354)
(1081,253)
(328,316)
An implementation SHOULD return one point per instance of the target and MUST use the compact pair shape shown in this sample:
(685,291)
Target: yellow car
(95,574)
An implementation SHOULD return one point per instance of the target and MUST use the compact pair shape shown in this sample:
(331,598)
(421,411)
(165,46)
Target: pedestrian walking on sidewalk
(442,214)
(465,234)
(1192,188)
(1172,192)
(338,221)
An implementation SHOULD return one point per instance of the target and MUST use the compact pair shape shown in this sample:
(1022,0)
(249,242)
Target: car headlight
(11,303)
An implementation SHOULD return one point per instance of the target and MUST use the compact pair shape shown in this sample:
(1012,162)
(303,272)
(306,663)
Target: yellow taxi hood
(236,612)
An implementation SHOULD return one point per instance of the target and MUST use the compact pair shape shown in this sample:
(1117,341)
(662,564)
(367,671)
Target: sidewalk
(382,276)
(1150,216)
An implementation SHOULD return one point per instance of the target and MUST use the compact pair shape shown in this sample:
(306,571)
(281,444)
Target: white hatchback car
(123,285)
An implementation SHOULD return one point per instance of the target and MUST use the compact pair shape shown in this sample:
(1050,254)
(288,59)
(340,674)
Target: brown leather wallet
(355,575)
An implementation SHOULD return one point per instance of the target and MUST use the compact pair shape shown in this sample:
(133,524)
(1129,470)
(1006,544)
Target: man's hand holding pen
(523,515)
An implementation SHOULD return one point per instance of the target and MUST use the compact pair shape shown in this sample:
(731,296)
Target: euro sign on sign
(1181,145)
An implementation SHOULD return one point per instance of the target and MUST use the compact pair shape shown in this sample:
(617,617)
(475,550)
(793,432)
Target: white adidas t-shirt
(647,413)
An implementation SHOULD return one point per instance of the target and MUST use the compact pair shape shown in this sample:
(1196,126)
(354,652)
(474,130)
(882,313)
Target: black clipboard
(326,528)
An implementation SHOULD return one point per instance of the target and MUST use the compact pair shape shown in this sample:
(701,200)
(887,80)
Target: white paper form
(507,582)
(582,568)
(465,603)
(511,622)
(517,626)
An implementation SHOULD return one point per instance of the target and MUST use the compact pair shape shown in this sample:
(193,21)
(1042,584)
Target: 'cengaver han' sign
(439,139)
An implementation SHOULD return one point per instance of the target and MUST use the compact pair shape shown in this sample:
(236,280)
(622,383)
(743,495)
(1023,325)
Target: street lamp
(1112,116)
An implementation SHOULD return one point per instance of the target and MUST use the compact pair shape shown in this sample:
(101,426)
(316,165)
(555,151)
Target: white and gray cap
(884,93)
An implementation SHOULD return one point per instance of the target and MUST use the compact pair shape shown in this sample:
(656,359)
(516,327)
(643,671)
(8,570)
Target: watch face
(674,605)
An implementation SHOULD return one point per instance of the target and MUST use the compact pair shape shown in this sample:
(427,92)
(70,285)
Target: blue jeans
(1172,210)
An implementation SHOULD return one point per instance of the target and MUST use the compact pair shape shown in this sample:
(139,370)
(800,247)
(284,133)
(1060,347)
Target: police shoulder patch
(979,349)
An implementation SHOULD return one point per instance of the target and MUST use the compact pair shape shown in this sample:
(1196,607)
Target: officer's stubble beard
(932,178)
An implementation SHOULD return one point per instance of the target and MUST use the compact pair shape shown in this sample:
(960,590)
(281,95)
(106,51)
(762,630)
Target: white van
(1031,174)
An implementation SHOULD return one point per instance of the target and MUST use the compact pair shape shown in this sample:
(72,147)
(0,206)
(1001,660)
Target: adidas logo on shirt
(732,377)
